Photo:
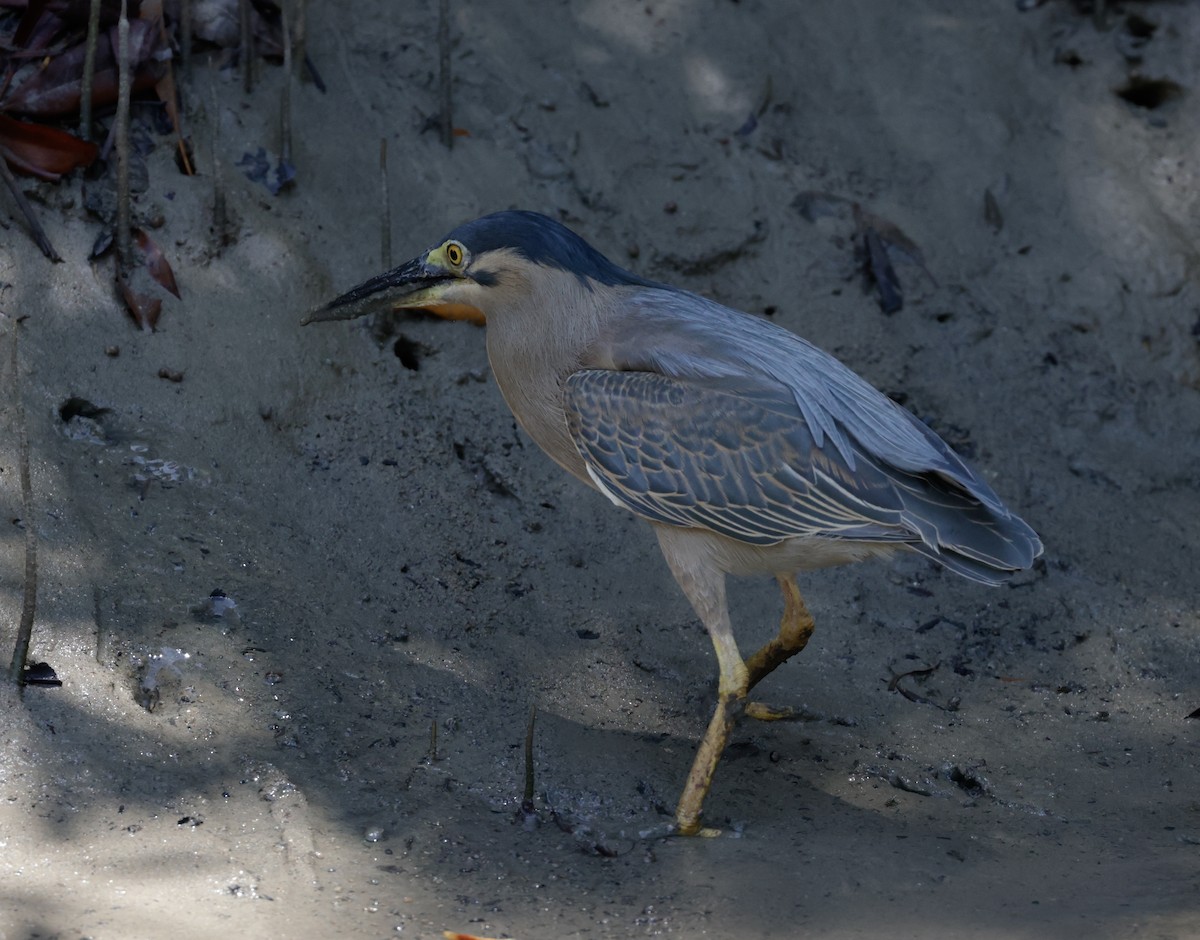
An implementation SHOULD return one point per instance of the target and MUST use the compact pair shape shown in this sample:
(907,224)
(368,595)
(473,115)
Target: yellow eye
(454,253)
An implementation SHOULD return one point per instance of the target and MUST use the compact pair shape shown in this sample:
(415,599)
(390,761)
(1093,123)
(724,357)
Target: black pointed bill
(415,285)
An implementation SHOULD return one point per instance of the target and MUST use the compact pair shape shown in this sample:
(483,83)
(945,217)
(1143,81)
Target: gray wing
(680,334)
(692,454)
(707,417)
(744,463)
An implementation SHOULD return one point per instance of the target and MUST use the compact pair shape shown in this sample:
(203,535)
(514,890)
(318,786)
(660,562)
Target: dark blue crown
(541,240)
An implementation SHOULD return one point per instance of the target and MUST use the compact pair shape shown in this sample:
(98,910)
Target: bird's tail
(986,543)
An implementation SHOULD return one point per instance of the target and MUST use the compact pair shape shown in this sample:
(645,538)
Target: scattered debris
(217,606)
(40,674)
(879,239)
(1149,93)
(878,243)
(879,269)
(83,421)
(968,779)
(159,668)
(257,168)
(920,675)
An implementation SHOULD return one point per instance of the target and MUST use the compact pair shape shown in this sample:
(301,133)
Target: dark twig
(220,211)
(433,755)
(246,23)
(895,686)
(101,635)
(300,38)
(35,227)
(285,117)
(313,75)
(29,603)
(528,797)
(185,39)
(89,71)
(124,213)
(443,39)
(385,232)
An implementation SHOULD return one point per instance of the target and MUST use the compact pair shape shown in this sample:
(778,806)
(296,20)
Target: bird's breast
(535,398)
(533,346)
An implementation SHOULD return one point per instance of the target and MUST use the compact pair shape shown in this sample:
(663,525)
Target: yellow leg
(703,582)
(731,697)
(795,628)
(691,801)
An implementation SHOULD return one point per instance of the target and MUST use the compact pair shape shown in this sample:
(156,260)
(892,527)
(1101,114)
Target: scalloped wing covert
(738,458)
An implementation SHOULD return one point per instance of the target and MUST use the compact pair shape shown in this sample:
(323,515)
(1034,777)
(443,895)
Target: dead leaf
(144,308)
(55,90)
(880,270)
(45,152)
(216,21)
(895,686)
(38,27)
(44,21)
(873,256)
(156,262)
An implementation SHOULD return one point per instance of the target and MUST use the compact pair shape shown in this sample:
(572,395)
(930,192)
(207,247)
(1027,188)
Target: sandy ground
(401,557)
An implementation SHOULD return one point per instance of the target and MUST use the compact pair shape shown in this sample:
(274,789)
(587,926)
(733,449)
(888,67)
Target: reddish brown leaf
(39,24)
(44,20)
(156,263)
(54,91)
(46,152)
(165,89)
(144,309)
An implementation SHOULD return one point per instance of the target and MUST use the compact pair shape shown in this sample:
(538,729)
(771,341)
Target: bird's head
(478,267)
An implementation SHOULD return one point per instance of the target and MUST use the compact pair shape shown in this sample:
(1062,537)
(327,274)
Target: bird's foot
(693,828)
(760,711)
